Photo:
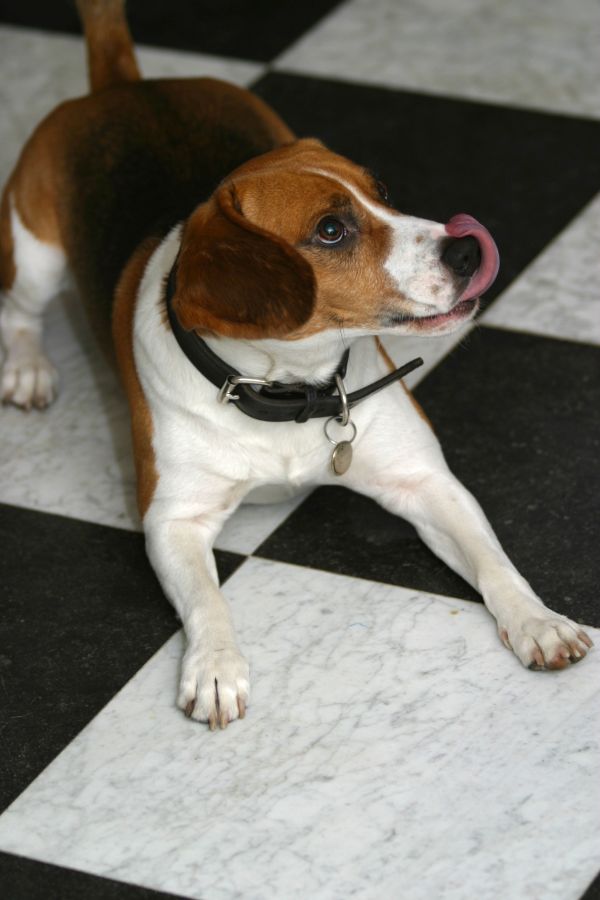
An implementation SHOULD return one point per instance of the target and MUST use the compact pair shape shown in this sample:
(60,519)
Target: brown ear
(236,279)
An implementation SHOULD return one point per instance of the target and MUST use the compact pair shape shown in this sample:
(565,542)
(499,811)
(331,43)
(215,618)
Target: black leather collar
(274,401)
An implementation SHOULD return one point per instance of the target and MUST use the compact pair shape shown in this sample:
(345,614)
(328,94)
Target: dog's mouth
(461,312)
(472,257)
(463,225)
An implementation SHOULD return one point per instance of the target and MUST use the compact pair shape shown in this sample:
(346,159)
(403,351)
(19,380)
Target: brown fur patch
(281,195)
(235,279)
(82,179)
(34,190)
(35,185)
(111,58)
(277,129)
(7,259)
(141,417)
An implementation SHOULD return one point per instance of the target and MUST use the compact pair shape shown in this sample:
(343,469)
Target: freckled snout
(471,253)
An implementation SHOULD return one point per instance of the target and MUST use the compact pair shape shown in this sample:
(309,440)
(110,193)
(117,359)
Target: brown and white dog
(292,256)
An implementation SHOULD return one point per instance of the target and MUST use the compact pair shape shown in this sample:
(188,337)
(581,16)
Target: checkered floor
(393,747)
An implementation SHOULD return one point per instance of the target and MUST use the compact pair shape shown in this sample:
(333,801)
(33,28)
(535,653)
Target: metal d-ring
(337,419)
(344,416)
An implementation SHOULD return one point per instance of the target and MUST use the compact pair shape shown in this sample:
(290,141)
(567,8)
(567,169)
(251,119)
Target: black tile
(439,156)
(81,612)
(258,31)
(27,879)
(593,891)
(518,417)
(343,532)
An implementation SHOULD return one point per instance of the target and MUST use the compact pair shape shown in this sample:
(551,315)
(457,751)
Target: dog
(248,275)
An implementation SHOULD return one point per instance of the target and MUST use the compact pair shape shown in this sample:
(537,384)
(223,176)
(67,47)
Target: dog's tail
(110,53)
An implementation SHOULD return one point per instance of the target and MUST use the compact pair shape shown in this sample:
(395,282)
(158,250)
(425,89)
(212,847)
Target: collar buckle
(226,392)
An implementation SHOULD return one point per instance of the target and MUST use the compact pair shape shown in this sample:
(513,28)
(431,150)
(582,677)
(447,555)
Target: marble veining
(535,55)
(558,295)
(392,747)
(74,458)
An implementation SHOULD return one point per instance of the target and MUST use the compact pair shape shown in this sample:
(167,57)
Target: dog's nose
(462,255)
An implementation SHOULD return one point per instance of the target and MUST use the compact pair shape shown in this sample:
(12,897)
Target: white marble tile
(74,458)
(558,295)
(39,70)
(542,55)
(392,748)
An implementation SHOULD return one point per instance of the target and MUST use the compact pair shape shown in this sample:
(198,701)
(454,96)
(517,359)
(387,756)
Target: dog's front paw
(214,686)
(28,380)
(546,640)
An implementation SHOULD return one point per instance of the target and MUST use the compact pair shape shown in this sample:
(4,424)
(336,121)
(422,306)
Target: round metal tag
(341,457)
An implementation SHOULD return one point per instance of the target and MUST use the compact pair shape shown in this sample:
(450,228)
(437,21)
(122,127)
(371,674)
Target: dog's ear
(237,280)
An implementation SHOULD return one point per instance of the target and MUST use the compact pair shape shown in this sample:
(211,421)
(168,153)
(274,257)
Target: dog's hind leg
(32,271)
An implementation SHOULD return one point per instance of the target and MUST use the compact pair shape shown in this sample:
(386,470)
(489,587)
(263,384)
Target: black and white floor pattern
(393,748)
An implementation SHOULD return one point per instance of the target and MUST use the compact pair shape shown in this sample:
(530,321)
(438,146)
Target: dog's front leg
(453,525)
(214,684)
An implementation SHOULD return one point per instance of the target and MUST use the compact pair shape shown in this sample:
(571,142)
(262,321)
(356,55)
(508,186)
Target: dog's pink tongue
(463,225)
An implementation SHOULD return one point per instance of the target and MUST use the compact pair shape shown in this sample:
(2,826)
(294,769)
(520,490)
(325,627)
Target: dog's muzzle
(472,253)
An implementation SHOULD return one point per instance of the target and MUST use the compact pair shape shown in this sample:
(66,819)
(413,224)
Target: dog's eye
(331,231)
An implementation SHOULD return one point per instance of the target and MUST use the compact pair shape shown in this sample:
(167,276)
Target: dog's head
(301,240)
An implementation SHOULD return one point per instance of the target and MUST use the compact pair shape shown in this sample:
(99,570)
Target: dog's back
(102,172)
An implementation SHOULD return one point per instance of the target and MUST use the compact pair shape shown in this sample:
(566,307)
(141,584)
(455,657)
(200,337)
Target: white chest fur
(199,440)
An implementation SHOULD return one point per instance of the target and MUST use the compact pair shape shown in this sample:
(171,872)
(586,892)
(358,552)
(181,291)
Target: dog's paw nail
(220,682)
(575,654)
(504,638)
(546,640)
(559,662)
(29,383)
